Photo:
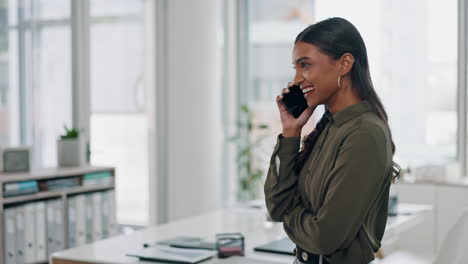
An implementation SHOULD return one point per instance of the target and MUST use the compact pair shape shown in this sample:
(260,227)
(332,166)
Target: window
(9,111)
(119,126)
(36,88)
(412,49)
(39,76)
(271,30)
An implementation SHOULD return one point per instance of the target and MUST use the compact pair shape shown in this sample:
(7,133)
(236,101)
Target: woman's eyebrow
(301,59)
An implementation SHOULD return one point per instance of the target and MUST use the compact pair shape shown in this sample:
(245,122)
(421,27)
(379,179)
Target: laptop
(281,246)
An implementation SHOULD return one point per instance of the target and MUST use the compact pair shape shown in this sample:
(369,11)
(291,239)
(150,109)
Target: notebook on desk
(281,246)
(189,242)
(173,255)
(244,260)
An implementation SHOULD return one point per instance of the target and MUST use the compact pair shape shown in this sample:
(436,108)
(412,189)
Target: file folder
(50,223)
(97,216)
(113,227)
(9,237)
(41,232)
(30,233)
(71,222)
(105,215)
(89,217)
(59,233)
(19,229)
(80,220)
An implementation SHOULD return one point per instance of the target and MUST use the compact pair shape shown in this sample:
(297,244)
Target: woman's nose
(298,78)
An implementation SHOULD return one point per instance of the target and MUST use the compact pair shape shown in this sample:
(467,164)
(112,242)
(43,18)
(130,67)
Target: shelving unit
(62,194)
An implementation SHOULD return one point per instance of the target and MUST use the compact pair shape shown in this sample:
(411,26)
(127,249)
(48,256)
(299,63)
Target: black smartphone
(294,101)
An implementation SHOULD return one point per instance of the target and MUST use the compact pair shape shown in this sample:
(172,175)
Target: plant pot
(71,152)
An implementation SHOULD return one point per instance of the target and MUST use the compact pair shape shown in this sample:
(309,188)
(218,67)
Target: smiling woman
(332,196)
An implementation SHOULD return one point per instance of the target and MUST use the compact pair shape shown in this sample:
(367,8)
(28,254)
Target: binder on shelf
(89,217)
(105,215)
(19,229)
(97,213)
(60,183)
(41,232)
(9,237)
(72,222)
(20,188)
(29,233)
(59,225)
(113,227)
(81,220)
(97,178)
(36,226)
(51,228)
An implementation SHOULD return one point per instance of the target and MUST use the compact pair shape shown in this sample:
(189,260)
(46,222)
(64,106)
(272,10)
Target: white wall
(194,110)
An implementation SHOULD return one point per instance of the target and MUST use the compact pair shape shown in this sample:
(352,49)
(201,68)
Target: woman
(332,195)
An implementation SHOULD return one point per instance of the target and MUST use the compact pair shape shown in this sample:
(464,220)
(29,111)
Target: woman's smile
(308,91)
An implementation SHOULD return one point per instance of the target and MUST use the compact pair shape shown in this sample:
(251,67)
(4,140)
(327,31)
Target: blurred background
(179,96)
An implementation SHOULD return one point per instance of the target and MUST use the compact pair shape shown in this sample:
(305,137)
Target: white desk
(250,222)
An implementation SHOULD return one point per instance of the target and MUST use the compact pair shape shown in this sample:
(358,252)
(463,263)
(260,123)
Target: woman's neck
(345,97)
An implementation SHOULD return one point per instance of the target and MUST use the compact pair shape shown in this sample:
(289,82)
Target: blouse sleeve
(281,181)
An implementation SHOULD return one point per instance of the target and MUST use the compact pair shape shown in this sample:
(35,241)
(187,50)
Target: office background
(157,87)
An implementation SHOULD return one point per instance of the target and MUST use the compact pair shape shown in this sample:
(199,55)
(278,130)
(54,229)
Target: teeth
(308,89)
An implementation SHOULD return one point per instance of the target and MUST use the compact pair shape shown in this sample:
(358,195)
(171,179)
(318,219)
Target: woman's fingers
(278,98)
(281,107)
(307,113)
(285,91)
(304,117)
(278,101)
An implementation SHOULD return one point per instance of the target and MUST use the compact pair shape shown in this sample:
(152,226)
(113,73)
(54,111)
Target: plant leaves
(245,109)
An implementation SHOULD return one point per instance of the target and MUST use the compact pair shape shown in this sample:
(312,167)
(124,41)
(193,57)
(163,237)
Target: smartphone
(294,101)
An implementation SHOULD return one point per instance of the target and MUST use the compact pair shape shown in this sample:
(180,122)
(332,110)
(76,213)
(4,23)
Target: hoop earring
(339,79)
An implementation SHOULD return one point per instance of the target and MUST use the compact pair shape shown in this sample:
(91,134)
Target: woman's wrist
(292,132)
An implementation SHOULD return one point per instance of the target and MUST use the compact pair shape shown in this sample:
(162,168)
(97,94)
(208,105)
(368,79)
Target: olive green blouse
(338,205)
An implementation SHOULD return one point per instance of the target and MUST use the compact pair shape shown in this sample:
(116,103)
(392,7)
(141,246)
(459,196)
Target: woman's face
(316,73)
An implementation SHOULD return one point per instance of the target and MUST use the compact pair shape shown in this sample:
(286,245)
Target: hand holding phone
(294,101)
(294,111)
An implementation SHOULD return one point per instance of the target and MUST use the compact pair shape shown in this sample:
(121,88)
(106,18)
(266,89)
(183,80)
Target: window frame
(462,87)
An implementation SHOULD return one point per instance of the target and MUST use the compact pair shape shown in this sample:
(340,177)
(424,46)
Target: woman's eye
(305,65)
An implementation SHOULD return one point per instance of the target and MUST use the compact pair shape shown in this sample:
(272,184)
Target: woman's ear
(346,63)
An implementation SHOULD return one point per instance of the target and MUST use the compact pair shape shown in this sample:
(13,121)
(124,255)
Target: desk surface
(249,221)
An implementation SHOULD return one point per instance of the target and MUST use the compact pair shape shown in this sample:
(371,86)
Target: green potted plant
(250,178)
(70,149)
